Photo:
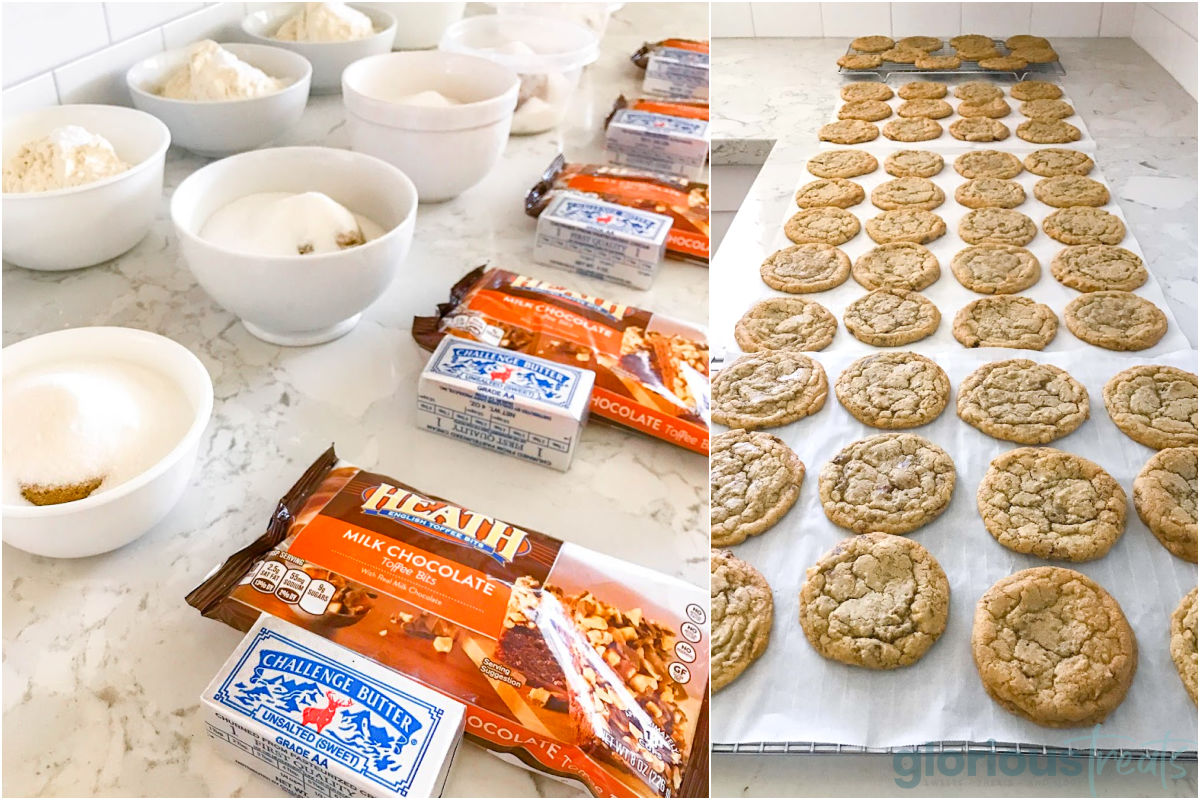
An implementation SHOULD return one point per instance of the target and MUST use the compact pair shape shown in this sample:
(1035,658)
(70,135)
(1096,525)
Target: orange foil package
(651,370)
(578,664)
(641,56)
(685,201)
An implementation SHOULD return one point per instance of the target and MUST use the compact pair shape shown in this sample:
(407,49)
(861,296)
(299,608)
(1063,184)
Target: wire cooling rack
(952,747)
(1049,69)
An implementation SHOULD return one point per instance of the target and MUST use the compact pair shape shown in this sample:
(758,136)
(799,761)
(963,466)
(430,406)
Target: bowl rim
(356,95)
(156,157)
(200,420)
(559,61)
(271,14)
(406,183)
(137,91)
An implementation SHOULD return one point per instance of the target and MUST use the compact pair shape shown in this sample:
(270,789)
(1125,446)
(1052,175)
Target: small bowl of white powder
(220,99)
(101,431)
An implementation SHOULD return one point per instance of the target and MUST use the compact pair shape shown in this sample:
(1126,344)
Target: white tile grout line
(1168,20)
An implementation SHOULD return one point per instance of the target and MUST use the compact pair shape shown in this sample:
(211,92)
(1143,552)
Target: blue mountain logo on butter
(610,218)
(661,123)
(329,712)
(690,57)
(510,372)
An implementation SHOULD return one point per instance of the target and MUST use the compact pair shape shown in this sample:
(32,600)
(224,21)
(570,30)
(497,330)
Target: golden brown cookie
(836,192)
(905,225)
(913,164)
(785,323)
(1005,320)
(987,164)
(825,225)
(800,268)
(997,226)
(1021,401)
(992,108)
(768,389)
(842,163)
(978,92)
(990,193)
(912,129)
(1048,131)
(897,265)
(1183,641)
(866,90)
(869,110)
(1084,225)
(922,90)
(894,390)
(848,131)
(754,479)
(860,61)
(1047,109)
(908,193)
(996,268)
(742,614)
(891,317)
(932,109)
(1098,268)
(1154,405)
(1035,90)
(1164,494)
(872,44)
(978,129)
(1053,161)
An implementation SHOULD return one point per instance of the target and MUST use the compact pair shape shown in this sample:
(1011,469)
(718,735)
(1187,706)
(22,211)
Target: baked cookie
(1048,131)
(1052,161)
(932,109)
(848,131)
(912,129)
(891,317)
(908,193)
(1035,55)
(997,226)
(872,44)
(1115,320)
(1098,267)
(947,62)
(894,390)
(1021,401)
(926,43)
(987,164)
(825,225)
(970,40)
(842,163)
(995,268)
(898,265)
(876,601)
(890,482)
(1009,63)
(754,479)
(836,192)
(869,110)
(995,109)
(978,92)
(1051,504)
(1053,647)
(768,389)
(1035,90)
(978,129)
(1183,641)
(1047,109)
(1005,320)
(1084,225)
(860,61)
(785,323)
(977,53)
(913,164)
(1065,191)
(1164,494)
(802,268)
(1154,405)
(866,90)
(742,613)
(1025,40)
(905,225)
(902,55)
(922,90)
(990,193)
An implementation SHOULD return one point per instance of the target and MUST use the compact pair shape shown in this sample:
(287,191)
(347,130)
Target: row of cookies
(871,52)
(1061,191)
(966,129)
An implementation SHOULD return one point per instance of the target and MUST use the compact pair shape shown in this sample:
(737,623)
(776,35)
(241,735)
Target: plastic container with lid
(548,54)
(593,16)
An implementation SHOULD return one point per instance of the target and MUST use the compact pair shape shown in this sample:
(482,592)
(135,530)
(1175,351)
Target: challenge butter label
(602,240)
(675,145)
(675,72)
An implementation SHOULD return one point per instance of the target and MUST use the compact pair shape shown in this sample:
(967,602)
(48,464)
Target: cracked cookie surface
(990,193)
(897,265)
(785,323)
(1098,267)
(1051,504)
(891,483)
(1064,191)
(866,90)
(1022,401)
(1052,646)
(978,129)
(872,44)
(928,108)
(768,389)
(1047,108)
(824,225)
(842,164)
(1054,161)
(1183,641)
(875,601)
(848,131)
(1035,90)
(869,110)
(913,164)
(922,90)
(994,108)
(894,391)
(742,613)
(1164,494)
(754,479)
(905,225)
(1115,320)
(860,61)
(1048,131)
(836,192)
(997,226)
(801,268)
(908,193)
(891,317)
(978,91)
(988,164)
(1154,405)
(995,268)
(912,129)
(1084,225)
(1005,320)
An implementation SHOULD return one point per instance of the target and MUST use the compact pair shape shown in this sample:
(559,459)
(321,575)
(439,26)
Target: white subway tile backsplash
(856,19)
(731,20)
(1116,19)
(1066,19)
(928,19)
(787,19)
(996,19)
(130,19)
(100,77)
(36,92)
(40,36)
(1168,44)
(221,22)
(1182,14)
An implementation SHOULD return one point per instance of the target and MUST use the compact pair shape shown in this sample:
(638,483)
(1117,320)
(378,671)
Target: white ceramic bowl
(419,26)
(111,519)
(86,225)
(328,59)
(444,150)
(221,127)
(298,300)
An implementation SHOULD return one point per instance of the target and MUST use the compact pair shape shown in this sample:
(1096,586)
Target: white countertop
(774,94)
(104,662)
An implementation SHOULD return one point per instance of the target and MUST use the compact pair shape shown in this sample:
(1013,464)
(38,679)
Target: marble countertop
(104,662)
(774,94)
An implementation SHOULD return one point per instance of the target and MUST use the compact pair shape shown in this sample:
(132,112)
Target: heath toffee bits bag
(579,664)
(651,371)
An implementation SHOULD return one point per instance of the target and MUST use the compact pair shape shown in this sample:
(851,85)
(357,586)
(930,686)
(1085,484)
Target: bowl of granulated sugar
(101,431)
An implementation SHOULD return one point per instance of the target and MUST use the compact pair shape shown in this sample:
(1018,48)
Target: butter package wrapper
(602,240)
(676,72)
(676,145)
(641,56)
(581,665)
(511,403)
(318,720)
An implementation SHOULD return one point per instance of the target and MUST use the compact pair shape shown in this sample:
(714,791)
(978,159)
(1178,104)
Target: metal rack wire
(949,747)
(970,68)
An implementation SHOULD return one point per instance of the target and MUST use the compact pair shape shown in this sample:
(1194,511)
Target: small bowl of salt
(101,431)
